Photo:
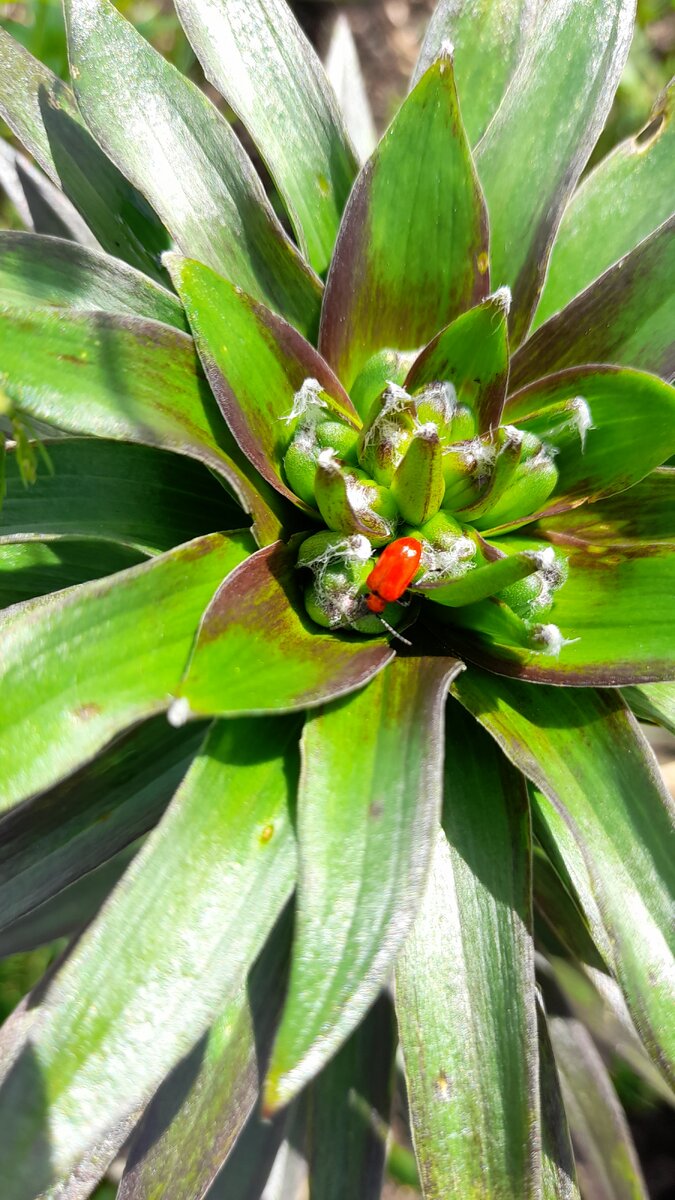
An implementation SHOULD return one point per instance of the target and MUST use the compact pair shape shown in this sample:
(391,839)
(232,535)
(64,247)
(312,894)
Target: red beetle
(393,573)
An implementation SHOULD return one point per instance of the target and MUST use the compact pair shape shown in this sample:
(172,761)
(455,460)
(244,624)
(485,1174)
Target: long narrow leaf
(135,996)
(559,1179)
(376,800)
(33,568)
(173,144)
(257,56)
(40,205)
(465,986)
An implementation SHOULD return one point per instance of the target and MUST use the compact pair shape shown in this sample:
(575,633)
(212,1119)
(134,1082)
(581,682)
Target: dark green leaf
(41,111)
(542,134)
(377,798)
(129,379)
(251,1160)
(76,826)
(36,271)
(556,905)
(627,316)
(39,204)
(412,249)
(196,1117)
(173,144)
(261,62)
(130,494)
(621,202)
(610,817)
(257,651)
(645,512)
(29,569)
(606,1159)
(473,355)
(255,363)
(348,1112)
(632,427)
(653,702)
(166,953)
(127,638)
(465,985)
(559,1180)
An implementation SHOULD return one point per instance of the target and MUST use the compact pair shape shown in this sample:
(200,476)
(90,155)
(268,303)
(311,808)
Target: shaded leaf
(257,56)
(36,271)
(134,997)
(40,205)
(170,141)
(130,494)
(609,815)
(348,1112)
(73,828)
(559,1180)
(653,702)
(129,379)
(378,799)
(473,355)
(255,363)
(464,985)
(488,39)
(621,445)
(29,569)
(606,1158)
(193,1122)
(411,253)
(536,147)
(644,512)
(627,316)
(608,216)
(257,651)
(41,111)
(248,1166)
(346,78)
(555,903)
(128,640)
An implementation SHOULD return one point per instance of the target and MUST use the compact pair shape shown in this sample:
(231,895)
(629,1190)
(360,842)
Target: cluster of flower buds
(419,469)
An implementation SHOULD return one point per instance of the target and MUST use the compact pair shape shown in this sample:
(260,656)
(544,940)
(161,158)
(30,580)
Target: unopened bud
(387,434)
(385,367)
(418,484)
(350,502)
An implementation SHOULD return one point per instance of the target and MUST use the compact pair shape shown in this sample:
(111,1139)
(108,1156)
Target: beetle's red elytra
(393,573)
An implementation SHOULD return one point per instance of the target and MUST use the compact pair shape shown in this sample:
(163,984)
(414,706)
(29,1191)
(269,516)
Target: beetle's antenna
(394,633)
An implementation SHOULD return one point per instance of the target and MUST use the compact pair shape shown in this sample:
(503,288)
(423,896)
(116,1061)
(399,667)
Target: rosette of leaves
(457,343)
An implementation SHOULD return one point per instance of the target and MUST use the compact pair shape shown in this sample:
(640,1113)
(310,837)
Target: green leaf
(127,638)
(133,495)
(473,355)
(488,39)
(412,249)
(348,1112)
(257,56)
(559,1179)
(255,363)
(632,428)
(346,78)
(464,985)
(621,202)
(610,817)
(626,316)
(121,377)
(542,134)
(170,141)
(485,580)
(645,512)
(558,908)
(139,991)
(195,1119)
(378,798)
(85,820)
(44,271)
(29,569)
(248,1166)
(257,651)
(653,702)
(41,111)
(606,1157)
(39,204)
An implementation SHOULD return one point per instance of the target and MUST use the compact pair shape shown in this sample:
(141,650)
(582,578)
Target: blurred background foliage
(388,34)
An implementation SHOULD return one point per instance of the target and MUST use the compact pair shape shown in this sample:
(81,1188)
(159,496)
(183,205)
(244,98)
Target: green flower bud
(507,444)
(418,484)
(387,434)
(528,490)
(462,426)
(449,549)
(531,598)
(350,502)
(467,468)
(302,455)
(384,368)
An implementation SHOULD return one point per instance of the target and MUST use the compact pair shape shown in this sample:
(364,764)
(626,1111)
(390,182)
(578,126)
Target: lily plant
(336,562)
